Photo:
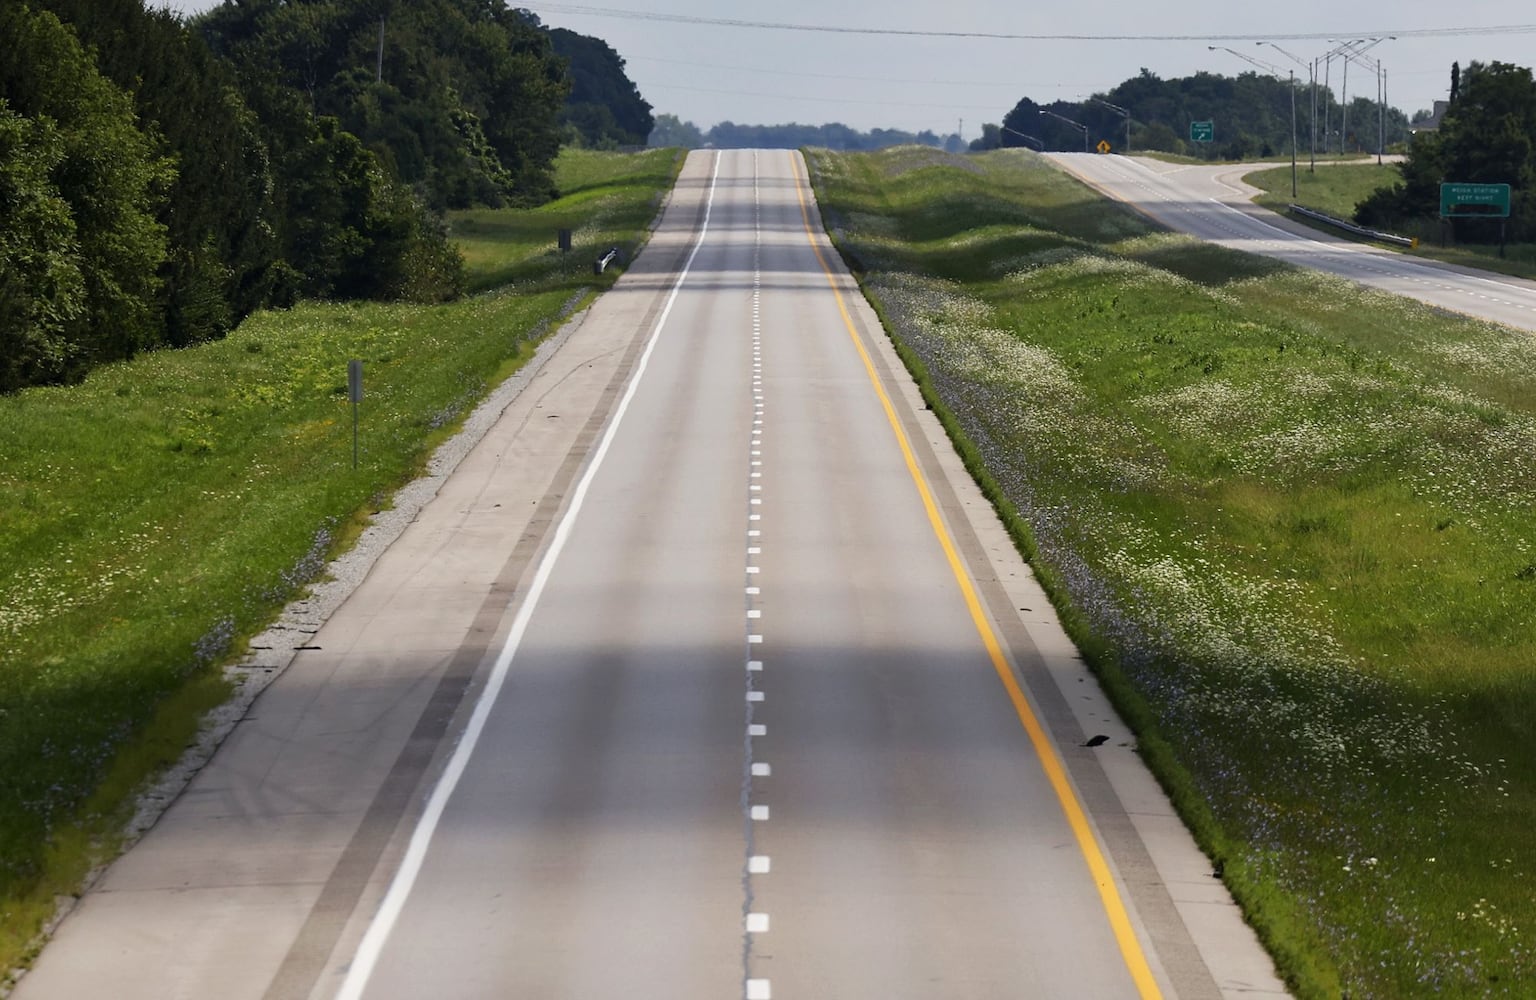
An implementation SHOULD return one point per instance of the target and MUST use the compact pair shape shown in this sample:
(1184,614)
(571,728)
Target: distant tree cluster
(1486,136)
(161,179)
(1251,113)
(670,131)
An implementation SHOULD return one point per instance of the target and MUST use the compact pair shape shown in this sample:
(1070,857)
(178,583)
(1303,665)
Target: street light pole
(1072,123)
(1351,53)
(1124,114)
(1339,47)
(1023,135)
(1311,69)
(1293,131)
(1274,70)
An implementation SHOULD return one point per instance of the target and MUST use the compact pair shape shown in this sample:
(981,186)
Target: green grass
(1337,189)
(1288,521)
(605,201)
(1334,188)
(155,516)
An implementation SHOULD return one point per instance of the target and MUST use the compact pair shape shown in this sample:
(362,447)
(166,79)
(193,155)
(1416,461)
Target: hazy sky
(706,73)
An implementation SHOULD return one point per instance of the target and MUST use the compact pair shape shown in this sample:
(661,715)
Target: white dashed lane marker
(756,864)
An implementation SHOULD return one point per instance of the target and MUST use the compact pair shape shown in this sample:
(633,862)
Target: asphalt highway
(751,739)
(708,674)
(1212,203)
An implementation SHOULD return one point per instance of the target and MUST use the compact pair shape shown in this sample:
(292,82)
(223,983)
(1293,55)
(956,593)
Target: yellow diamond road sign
(1103,145)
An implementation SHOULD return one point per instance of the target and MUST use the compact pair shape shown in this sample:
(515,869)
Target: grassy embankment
(1337,188)
(154,517)
(1288,520)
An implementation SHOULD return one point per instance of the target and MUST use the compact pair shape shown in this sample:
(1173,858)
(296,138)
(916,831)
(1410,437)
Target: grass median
(157,515)
(1287,519)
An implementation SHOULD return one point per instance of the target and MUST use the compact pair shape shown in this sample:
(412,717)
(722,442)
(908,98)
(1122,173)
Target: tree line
(1251,115)
(160,179)
(671,131)
(1486,136)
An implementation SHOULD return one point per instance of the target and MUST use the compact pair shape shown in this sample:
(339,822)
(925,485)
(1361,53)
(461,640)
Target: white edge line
(372,945)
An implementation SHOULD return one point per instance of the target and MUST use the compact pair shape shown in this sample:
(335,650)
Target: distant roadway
(707,675)
(1212,203)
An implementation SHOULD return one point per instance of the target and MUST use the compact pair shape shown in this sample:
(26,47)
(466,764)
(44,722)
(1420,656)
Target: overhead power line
(728,22)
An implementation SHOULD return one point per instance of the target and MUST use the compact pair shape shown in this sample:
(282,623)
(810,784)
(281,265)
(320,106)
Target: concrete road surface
(1212,203)
(708,674)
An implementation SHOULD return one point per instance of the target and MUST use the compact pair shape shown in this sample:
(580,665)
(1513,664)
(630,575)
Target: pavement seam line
(1050,761)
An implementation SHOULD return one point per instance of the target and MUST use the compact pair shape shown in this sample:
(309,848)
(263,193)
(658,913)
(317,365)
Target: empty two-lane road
(739,716)
(751,740)
(1212,203)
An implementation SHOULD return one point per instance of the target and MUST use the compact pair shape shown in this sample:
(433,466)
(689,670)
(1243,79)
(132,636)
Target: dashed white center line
(756,864)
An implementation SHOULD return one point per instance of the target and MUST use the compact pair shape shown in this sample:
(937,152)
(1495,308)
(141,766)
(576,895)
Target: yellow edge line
(1050,761)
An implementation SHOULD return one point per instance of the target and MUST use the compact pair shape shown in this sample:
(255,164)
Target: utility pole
(379,73)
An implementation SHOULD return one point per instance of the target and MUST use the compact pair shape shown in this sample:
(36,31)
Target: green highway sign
(1490,200)
(1202,131)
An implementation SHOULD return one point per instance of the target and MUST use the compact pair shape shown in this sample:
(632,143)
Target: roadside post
(355,396)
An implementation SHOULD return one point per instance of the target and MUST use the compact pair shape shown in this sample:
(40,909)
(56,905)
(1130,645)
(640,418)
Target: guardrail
(601,264)
(1350,227)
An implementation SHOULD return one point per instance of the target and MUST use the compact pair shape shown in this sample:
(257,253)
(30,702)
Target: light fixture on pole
(1327,57)
(1024,135)
(1074,124)
(1122,113)
(1275,70)
(1311,69)
(1379,69)
(1353,51)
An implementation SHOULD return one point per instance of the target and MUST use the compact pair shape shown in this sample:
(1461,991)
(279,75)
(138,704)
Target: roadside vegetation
(1288,520)
(1335,188)
(161,512)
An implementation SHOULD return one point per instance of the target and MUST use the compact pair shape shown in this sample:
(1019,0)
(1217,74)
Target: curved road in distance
(767,708)
(1212,203)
